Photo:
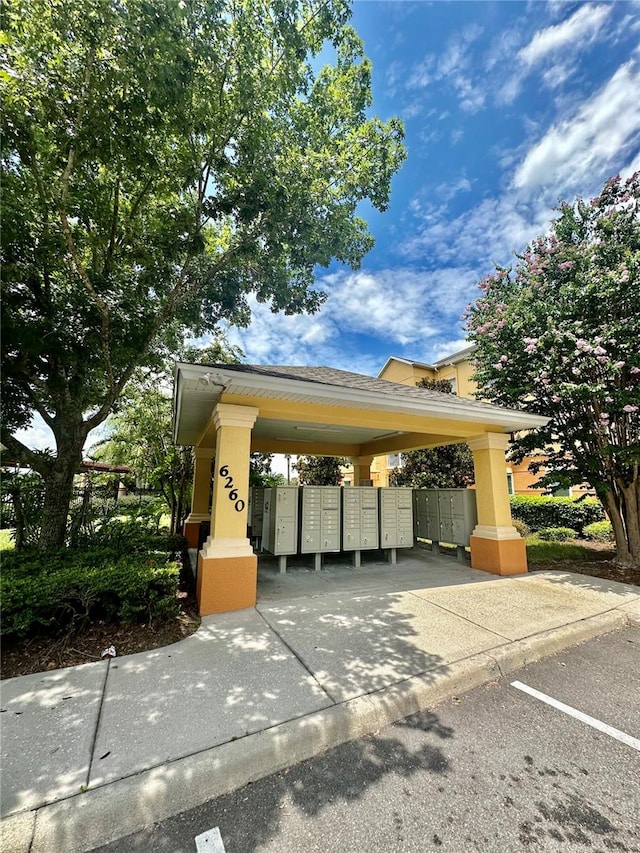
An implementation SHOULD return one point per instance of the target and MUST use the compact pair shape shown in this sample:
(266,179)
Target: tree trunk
(631,512)
(623,515)
(58,486)
(16,500)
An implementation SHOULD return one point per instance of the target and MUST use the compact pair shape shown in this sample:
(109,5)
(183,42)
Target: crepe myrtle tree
(558,333)
(161,163)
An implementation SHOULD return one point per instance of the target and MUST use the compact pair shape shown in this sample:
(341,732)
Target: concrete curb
(104,814)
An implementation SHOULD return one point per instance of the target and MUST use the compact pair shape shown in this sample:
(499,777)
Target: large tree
(161,161)
(319,470)
(559,334)
(446,467)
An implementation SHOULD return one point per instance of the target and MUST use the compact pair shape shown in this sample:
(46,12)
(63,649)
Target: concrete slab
(16,832)
(48,724)
(632,611)
(523,606)
(359,644)
(231,678)
(415,568)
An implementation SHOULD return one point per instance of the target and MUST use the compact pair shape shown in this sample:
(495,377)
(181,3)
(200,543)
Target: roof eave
(461,410)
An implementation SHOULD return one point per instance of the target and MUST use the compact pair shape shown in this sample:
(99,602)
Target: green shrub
(522,528)
(557,534)
(540,511)
(599,531)
(131,536)
(61,590)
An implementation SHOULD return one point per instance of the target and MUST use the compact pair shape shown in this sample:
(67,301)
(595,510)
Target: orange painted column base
(191,532)
(499,556)
(226,583)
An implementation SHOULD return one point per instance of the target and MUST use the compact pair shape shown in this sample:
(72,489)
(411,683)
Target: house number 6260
(233,493)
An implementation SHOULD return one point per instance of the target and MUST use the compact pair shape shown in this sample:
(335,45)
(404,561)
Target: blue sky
(508,106)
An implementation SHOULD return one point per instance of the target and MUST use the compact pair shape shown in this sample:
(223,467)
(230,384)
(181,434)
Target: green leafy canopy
(162,161)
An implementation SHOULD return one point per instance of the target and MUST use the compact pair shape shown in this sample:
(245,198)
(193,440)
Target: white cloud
(486,234)
(555,76)
(449,191)
(400,307)
(448,348)
(452,66)
(37,436)
(588,143)
(583,26)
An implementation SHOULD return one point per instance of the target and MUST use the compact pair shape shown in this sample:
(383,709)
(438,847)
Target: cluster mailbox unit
(360,530)
(319,521)
(280,522)
(256,513)
(445,515)
(396,519)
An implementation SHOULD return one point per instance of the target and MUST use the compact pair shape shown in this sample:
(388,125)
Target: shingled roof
(345,379)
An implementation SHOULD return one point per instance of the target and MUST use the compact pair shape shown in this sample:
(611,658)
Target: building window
(560,491)
(395,460)
(510,488)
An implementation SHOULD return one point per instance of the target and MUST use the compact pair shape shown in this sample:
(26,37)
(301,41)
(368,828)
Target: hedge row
(539,511)
(62,590)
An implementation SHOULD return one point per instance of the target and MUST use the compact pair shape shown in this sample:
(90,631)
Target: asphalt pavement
(492,770)
(93,753)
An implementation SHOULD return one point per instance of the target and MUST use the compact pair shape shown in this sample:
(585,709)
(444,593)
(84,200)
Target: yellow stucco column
(200,494)
(227,566)
(496,546)
(361,469)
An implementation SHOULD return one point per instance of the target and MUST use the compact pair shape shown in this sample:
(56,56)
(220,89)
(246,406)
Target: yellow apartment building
(458,369)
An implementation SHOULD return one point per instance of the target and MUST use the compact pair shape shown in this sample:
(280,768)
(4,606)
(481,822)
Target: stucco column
(361,469)
(496,546)
(200,494)
(227,566)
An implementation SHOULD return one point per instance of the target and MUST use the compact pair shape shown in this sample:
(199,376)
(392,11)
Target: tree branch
(23,454)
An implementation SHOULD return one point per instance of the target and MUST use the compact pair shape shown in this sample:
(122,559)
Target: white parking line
(210,841)
(633,742)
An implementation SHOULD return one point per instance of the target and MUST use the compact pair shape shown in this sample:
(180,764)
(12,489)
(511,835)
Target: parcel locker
(256,510)
(426,514)
(458,515)
(319,519)
(359,518)
(280,520)
(396,517)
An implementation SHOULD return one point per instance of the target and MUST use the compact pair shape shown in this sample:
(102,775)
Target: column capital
(204,452)
(227,414)
(489,441)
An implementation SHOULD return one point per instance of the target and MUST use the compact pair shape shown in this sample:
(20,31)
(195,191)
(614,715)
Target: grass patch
(552,552)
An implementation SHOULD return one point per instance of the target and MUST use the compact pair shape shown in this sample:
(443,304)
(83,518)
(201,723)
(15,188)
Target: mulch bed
(40,654)
(600,565)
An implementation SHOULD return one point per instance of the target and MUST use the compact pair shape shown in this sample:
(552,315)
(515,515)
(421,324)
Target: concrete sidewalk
(95,752)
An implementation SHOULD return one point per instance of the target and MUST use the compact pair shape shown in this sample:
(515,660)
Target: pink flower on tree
(630,409)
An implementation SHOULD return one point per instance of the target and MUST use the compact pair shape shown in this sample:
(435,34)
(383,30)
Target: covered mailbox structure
(227,411)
